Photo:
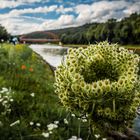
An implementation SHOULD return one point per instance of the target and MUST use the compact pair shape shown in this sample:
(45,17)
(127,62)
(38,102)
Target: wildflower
(73,115)
(4,90)
(14,123)
(31,123)
(31,69)
(104,138)
(5,102)
(84,120)
(75,138)
(56,122)
(32,94)
(66,121)
(51,126)
(97,136)
(1,100)
(55,126)
(79,139)
(38,124)
(11,100)
(46,135)
(23,67)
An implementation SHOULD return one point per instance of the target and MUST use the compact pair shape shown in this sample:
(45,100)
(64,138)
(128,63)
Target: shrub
(101,81)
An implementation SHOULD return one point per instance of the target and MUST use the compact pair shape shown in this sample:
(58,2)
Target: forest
(126,31)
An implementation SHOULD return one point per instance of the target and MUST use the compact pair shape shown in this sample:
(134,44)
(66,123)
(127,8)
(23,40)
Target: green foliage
(28,105)
(3,34)
(101,81)
(126,31)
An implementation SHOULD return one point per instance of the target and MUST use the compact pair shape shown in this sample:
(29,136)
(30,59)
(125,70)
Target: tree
(4,35)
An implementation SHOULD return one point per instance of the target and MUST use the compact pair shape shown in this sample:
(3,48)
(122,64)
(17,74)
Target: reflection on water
(51,53)
(55,51)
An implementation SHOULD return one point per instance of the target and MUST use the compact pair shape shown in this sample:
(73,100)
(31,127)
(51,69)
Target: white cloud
(13,3)
(133,8)
(104,10)
(17,23)
(19,26)
(15,12)
(62,21)
(10,4)
(63,10)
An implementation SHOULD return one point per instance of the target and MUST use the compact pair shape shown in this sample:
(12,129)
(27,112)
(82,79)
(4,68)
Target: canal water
(53,54)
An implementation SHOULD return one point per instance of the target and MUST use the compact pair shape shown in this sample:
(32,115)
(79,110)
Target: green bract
(102,81)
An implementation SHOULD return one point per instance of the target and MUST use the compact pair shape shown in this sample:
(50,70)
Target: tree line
(4,35)
(126,31)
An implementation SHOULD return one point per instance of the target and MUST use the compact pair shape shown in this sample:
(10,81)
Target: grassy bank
(29,108)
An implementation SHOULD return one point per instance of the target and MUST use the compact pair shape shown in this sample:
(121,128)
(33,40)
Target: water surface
(53,54)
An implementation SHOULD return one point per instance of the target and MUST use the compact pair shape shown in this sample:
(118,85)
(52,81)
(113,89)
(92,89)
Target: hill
(126,31)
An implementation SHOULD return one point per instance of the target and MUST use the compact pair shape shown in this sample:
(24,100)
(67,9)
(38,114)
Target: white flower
(46,135)
(97,136)
(79,139)
(65,121)
(50,132)
(38,124)
(51,126)
(5,102)
(1,100)
(14,123)
(11,100)
(56,122)
(55,126)
(73,115)
(104,138)
(4,89)
(32,94)
(74,138)
(84,120)
(31,123)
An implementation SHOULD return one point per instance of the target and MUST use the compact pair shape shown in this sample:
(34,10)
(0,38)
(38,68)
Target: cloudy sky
(23,16)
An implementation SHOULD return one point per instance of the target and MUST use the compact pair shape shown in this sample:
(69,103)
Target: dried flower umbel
(102,81)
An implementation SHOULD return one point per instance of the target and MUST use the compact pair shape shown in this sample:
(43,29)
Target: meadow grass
(29,107)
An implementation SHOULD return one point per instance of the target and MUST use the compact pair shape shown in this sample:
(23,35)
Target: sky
(25,16)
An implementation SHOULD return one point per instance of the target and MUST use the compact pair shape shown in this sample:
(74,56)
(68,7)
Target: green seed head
(102,81)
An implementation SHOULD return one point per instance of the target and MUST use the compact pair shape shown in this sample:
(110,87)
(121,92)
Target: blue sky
(24,16)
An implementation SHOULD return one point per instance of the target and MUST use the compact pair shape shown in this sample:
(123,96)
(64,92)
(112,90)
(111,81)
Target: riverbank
(29,107)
